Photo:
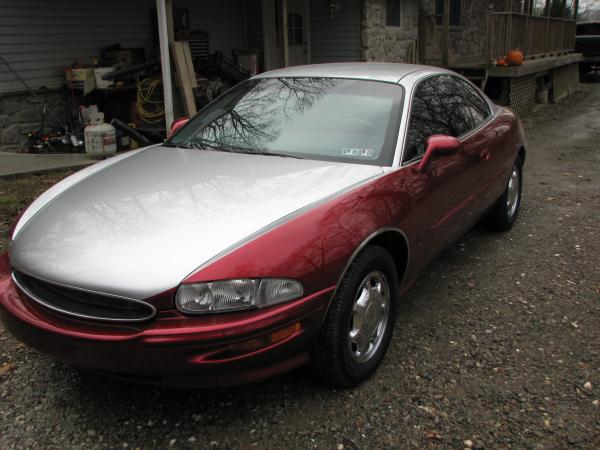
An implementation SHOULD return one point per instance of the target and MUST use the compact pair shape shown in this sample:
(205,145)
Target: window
(476,108)
(455,10)
(295,33)
(442,105)
(327,119)
(393,13)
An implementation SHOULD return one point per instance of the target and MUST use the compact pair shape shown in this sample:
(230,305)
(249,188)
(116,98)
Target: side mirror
(438,145)
(177,124)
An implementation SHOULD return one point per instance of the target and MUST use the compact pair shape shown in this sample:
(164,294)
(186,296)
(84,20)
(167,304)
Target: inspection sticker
(365,152)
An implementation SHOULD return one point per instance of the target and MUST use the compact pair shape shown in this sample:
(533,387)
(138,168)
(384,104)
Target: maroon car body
(413,210)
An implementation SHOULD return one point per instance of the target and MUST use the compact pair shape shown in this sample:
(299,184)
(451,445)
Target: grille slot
(81,303)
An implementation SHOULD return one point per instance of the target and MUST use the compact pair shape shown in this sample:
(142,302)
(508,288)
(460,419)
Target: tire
(505,211)
(360,320)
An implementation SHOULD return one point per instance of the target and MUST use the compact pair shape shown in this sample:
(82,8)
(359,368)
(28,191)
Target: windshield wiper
(281,155)
(236,149)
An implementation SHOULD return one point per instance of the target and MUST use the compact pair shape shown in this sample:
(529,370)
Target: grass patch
(18,192)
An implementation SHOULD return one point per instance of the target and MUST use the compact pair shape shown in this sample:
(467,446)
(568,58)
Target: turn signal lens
(265,341)
(232,295)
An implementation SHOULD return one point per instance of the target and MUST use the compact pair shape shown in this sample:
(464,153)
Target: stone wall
(467,41)
(20,113)
(389,44)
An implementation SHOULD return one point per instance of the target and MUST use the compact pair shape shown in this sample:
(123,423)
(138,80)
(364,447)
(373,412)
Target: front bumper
(171,349)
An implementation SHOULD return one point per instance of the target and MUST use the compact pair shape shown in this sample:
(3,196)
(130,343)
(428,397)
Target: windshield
(329,119)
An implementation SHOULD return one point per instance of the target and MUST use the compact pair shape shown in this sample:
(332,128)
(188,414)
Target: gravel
(497,346)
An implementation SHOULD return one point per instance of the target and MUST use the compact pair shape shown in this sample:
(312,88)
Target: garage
(60,53)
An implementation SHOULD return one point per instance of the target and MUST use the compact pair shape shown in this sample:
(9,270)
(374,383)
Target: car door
(479,144)
(444,193)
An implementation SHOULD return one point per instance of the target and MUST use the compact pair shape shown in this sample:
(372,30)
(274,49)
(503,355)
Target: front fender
(315,246)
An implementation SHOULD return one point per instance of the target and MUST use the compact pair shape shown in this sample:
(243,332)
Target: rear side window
(476,108)
(442,104)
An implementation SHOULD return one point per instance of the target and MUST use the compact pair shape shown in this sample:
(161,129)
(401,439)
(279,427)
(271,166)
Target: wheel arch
(391,239)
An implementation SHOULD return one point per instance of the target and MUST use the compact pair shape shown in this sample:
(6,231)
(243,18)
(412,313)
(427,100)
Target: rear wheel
(505,211)
(359,324)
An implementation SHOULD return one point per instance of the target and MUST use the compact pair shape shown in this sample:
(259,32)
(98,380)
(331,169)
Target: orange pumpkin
(501,61)
(515,57)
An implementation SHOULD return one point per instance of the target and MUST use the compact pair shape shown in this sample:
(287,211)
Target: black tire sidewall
(372,259)
(499,218)
(510,220)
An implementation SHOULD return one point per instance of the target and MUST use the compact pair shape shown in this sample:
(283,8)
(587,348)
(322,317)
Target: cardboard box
(83,79)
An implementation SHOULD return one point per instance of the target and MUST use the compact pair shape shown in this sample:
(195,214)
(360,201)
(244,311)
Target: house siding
(39,38)
(337,38)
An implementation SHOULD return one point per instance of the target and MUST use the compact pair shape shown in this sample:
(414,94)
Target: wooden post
(507,45)
(525,47)
(162,6)
(445,33)
(575,9)
(284,28)
(269,36)
(487,57)
(547,25)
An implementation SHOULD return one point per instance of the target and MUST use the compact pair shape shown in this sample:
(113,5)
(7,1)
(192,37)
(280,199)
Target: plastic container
(100,138)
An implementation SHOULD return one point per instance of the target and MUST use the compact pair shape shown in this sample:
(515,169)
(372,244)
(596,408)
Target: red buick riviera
(278,227)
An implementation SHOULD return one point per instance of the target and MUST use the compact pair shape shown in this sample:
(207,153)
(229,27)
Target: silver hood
(138,225)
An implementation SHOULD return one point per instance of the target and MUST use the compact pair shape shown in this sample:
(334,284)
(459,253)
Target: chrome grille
(81,303)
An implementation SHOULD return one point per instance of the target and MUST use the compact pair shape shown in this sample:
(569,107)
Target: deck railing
(535,36)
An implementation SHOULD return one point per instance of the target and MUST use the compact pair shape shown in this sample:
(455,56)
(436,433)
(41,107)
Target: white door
(297,27)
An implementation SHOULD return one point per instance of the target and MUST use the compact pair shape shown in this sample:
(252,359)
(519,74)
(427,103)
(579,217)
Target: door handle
(485,154)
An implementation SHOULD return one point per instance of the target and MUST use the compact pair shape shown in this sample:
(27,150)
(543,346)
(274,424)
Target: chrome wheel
(512,197)
(369,318)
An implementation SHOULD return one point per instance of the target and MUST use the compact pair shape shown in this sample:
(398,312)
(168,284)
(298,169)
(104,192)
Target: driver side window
(438,107)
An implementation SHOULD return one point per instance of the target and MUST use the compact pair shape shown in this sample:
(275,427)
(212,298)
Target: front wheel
(505,211)
(359,324)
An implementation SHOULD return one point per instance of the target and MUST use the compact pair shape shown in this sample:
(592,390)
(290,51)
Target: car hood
(139,225)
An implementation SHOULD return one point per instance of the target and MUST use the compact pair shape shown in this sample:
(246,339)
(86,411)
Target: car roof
(390,72)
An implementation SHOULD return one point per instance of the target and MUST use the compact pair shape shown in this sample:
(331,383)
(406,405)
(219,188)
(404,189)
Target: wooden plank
(182,73)
(189,63)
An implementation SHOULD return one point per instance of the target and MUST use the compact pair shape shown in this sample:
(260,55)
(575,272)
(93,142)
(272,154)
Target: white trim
(163,37)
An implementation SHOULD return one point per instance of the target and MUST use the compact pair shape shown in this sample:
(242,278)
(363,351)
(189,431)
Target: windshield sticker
(364,152)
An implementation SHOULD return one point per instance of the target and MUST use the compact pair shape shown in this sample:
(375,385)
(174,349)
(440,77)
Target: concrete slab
(21,163)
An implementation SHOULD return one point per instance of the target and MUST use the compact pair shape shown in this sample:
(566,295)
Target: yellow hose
(145,90)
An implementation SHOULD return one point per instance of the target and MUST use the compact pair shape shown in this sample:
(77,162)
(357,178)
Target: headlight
(231,295)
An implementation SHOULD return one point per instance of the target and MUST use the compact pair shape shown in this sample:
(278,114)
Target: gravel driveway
(497,346)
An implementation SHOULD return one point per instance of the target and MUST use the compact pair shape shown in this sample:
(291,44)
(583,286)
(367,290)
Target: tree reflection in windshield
(329,119)
(255,121)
